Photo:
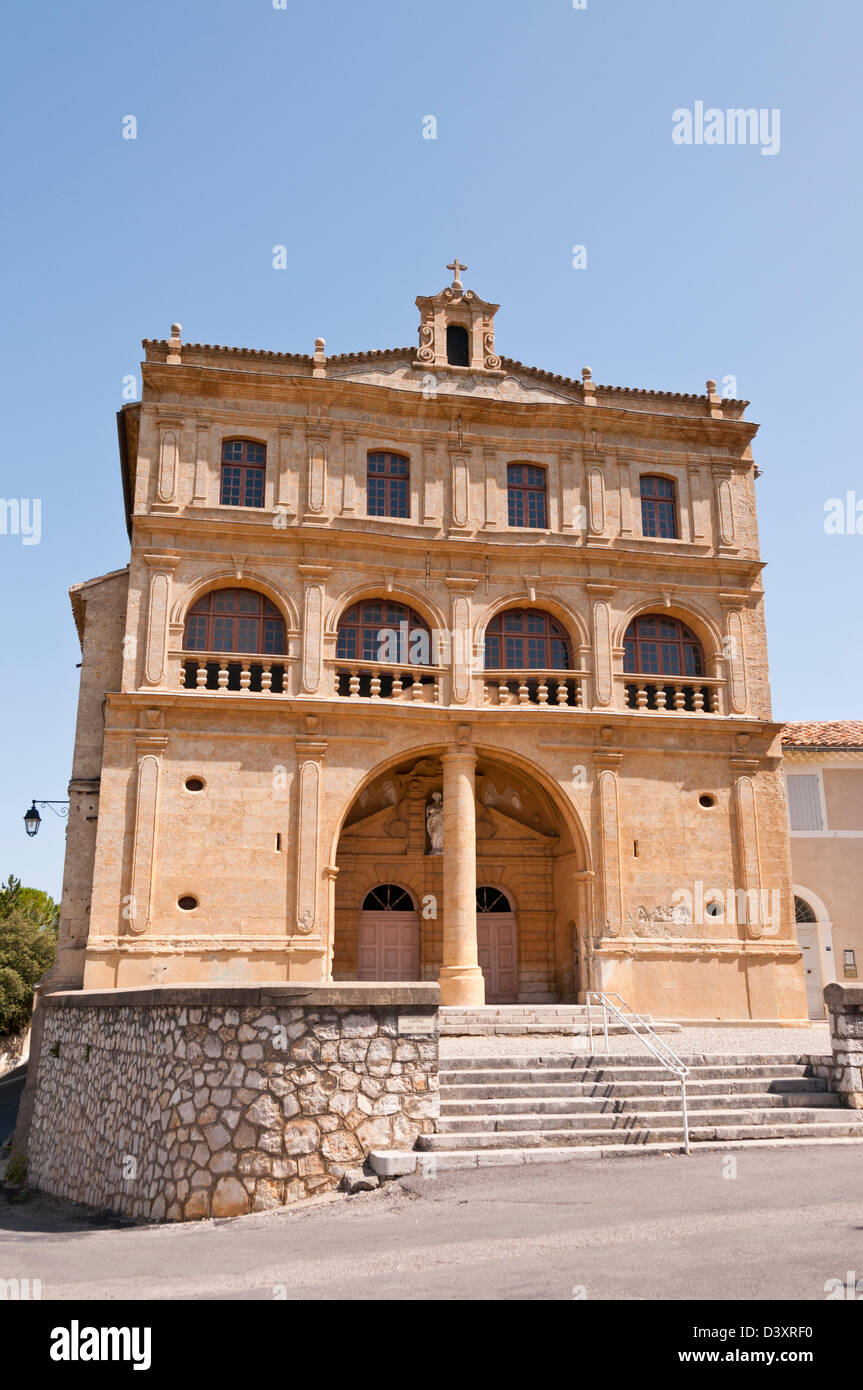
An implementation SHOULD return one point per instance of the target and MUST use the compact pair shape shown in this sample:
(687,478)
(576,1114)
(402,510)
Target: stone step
(391,1163)
(848,1125)
(651,1105)
(641,1062)
(463,1094)
(551,1028)
(635,1120)
(526,1076)
(525,1020)
(513,1012)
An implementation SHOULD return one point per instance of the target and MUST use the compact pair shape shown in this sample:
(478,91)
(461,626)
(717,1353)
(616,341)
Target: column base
(462,986)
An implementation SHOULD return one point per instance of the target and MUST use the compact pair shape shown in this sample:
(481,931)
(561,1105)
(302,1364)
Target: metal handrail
(660,1049)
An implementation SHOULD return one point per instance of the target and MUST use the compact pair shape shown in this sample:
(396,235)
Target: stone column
(314,604)
(158,610)
(735,659)
(310,758)
(460,488)
(317,441)
(288,473)
(597,507)
(201,489)
(724,497)
(603,668)
(461,637)
(432,505)
(167,476)
(743,772)
(149,748)
(350,474)
(607,764)
(461,980)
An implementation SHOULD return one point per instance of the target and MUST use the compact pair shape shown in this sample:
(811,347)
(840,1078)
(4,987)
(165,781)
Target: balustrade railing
(362,680)
(555,689)
(698,695)
(253,675)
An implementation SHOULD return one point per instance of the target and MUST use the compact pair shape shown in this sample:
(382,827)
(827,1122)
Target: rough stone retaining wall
(845,1072)
(180,1104)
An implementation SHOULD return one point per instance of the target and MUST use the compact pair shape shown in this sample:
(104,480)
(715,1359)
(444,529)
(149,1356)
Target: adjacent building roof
(811,733)
(78,597)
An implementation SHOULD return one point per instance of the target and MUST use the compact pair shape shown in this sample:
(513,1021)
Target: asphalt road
(627,1228)
(11,1086)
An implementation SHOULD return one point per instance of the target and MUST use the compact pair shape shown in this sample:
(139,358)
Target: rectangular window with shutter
(804,801)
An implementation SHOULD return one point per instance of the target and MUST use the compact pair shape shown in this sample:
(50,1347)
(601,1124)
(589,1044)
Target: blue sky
(303,127)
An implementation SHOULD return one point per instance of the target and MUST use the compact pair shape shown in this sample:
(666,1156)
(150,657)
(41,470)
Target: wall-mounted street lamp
(32,819)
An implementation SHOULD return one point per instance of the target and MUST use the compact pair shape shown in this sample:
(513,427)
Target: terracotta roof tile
(837,733)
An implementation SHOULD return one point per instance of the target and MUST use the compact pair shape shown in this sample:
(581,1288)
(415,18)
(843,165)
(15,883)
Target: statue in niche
(434,823)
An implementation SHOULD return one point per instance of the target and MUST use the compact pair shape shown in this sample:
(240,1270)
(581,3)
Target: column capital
(459,752)
(744,767)
(310,747)
(607,759)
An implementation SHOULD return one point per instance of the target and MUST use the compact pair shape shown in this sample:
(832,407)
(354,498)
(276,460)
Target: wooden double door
(388,946)
(498,957)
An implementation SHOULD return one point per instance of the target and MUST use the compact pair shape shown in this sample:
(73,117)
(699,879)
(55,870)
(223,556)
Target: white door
(808,939)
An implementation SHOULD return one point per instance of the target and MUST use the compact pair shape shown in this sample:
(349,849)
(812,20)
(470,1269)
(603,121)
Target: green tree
(38,906)
(26,952)
(10,895)
(28,945)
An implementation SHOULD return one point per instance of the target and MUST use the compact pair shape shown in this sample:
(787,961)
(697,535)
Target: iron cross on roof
(456,267)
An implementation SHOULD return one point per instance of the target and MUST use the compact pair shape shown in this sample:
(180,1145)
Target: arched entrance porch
(512,844)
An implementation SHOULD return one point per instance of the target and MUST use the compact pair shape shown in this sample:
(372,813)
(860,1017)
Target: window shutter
(804,801)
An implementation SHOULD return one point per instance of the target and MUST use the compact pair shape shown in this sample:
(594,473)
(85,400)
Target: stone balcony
(364,682)
(675,695)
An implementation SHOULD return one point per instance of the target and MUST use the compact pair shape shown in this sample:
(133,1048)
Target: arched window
(384,633)
(457,346)
(244,465)
(388,897)
(655,644)
(235,620)
(803,912)
(492,900)
(526,488)
(387,478)
(658,507)
(526,639)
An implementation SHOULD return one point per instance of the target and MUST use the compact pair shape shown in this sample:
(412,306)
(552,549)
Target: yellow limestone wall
(610,833)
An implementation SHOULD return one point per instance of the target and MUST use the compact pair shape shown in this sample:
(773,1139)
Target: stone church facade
(428,665)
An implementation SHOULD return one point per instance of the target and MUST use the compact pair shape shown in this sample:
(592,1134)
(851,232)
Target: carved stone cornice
(743,767)
(310,747)
(163,561)
(597,589)
(607,759)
